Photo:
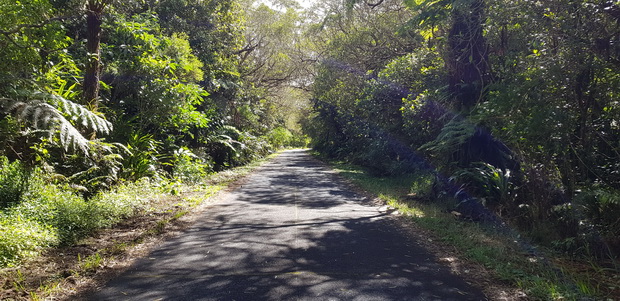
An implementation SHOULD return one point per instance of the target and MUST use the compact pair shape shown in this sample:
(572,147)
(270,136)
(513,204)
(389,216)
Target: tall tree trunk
(467,62)
(94,13)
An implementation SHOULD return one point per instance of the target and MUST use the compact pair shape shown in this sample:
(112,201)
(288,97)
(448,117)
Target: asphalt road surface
(290,232)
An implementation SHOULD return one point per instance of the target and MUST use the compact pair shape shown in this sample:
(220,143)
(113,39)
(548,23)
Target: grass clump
(13,182)
(20,239)
(50,214)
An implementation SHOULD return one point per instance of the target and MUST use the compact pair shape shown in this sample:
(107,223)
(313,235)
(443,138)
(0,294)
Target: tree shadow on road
(292,232)
(359,259)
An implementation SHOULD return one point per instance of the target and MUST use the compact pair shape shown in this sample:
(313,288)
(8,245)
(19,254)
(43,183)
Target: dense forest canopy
(96,94)
(512,103)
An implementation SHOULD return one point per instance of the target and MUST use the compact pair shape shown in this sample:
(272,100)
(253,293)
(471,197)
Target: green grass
(51,215)
(500,254)
(91,263)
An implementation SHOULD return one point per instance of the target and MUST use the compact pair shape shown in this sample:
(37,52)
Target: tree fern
(57,116)
(227,136)
(453,135)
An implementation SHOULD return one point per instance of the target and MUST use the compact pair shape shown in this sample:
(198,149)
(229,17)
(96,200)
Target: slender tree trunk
(467,62)
(94,13)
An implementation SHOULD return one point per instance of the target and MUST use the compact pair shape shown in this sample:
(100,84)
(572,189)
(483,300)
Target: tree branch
(373,5)
(23,26)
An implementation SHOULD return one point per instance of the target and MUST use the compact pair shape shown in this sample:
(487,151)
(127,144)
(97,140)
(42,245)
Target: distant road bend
(291,232)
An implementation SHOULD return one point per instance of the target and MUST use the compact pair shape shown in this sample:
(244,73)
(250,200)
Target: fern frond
(454,134)
(122,148)
(230,131)
(80,114)
(56,118)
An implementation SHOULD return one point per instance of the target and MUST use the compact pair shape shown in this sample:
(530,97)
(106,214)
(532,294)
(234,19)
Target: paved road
(291,232)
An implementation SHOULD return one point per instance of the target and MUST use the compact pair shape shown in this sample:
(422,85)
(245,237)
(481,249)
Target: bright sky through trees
(304,3)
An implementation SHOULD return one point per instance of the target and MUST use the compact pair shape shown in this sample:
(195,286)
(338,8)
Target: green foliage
(504,254)
(494,185)
(451,139)
(59,117)
(280,137)
(189,168)
(255,148)
(90,263)
(171,87)
(69,215)
(141,158)
(14,182)
(51,214)
(163,96)
(516,102)
(98,171)
(29,41)
(600,205)
(215,30)
(21,239)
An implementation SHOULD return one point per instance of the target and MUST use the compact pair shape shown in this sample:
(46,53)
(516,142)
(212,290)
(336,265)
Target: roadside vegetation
(118,112)
(488,113)
(538,273)
(494,112)
(68,244)
(103,101)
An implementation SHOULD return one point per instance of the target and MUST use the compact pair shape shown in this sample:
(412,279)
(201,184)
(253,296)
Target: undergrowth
(502,252)
(48,215)
(53,215)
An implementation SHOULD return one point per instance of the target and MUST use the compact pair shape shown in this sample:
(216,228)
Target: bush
(51,215)
(14,180)
(601,208)
(280,137)
(109,208)
(188,167)
(255,148)
(64,211)
(300,141)
(22,238)
(142,158)
(69,216)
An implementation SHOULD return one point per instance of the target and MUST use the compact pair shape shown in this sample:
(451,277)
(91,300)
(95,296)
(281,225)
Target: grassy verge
(100,242)
(505,256)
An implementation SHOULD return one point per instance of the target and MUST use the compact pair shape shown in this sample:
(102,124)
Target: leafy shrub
(98,171)
(255,148)
(601,207)
(66,212)
(57,117)
(52,214)
(14,180)
(280,137)
(188,167)
(71,216)
(487,182)
(301,141)
(141,158)
(22,238)
(229,147)
(110,207)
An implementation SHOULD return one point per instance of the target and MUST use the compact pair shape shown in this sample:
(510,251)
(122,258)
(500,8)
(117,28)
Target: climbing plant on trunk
(466,50)
(467,57)
(94,14)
